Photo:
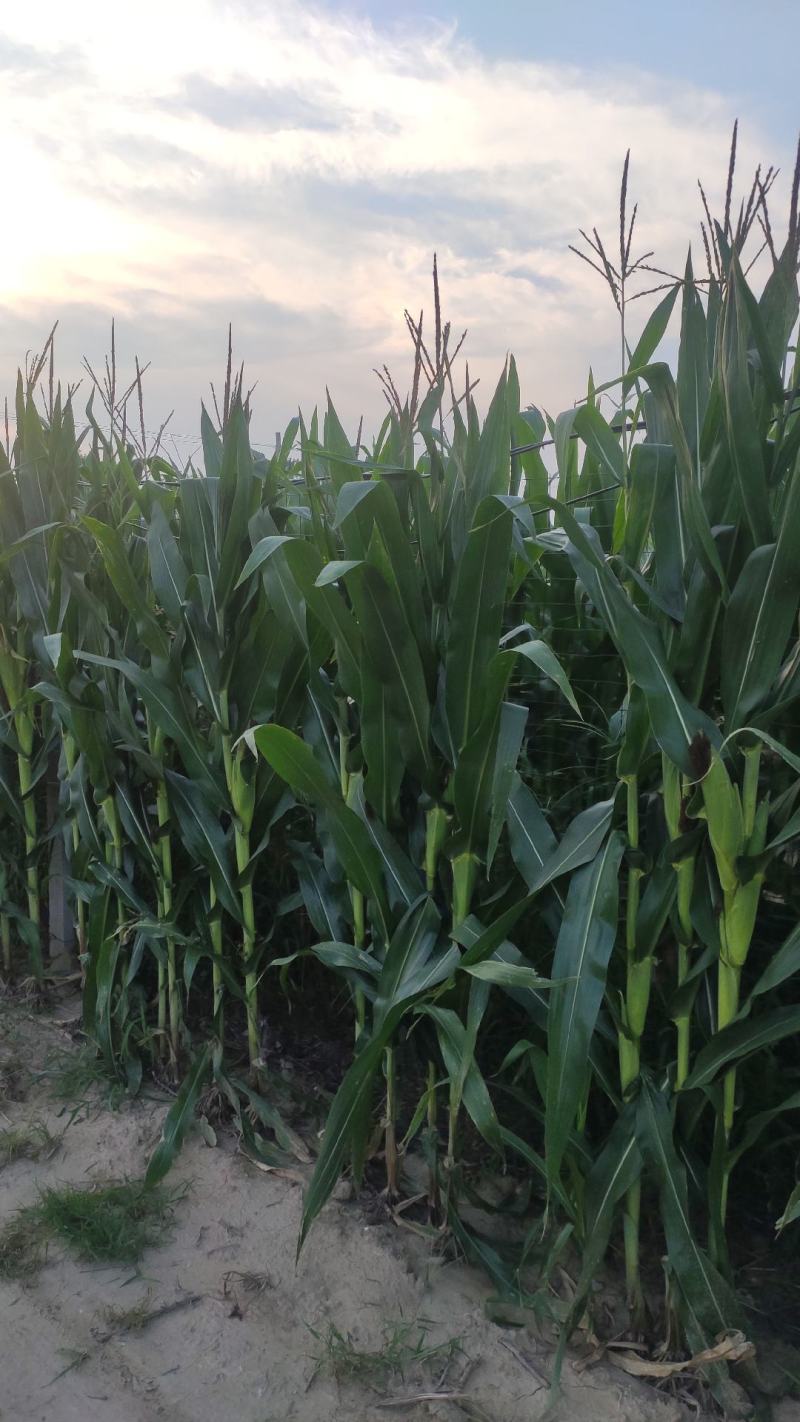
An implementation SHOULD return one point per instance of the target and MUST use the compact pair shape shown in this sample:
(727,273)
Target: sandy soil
(233,1351)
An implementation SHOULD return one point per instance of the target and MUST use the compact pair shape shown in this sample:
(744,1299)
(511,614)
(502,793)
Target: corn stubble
(519,744)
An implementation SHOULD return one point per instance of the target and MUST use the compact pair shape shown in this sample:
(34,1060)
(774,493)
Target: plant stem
(165,844)
(735,932)
(359,937)
(242,841)
(392,1158)
(71,757)
(465,873)
(242,803)
(436,822)
(165,910)
(24,726)
(637,997)
(433,1175)
(685,876)
(5,941)
(215,933)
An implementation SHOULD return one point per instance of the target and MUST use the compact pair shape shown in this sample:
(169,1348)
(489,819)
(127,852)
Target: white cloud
(213,157)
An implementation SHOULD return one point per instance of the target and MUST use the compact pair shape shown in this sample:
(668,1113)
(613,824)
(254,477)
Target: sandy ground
(236,1352)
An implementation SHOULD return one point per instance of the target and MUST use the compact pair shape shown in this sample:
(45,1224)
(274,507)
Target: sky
(292,167)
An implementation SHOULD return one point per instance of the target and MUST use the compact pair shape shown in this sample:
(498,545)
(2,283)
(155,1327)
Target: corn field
(499,757)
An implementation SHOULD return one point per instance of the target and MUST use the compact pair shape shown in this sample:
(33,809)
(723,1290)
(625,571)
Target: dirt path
(239,1344)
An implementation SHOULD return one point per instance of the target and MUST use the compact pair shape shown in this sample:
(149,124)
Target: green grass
(404,1347)
(27,1142)
(108,1223)
(133,1318)
(75,1076)
(113,1223)
(23,1242)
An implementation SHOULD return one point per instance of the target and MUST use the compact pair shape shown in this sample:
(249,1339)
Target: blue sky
(718,44)
(292,167)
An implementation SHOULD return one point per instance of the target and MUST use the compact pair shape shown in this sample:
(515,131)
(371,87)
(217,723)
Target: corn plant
(508,753)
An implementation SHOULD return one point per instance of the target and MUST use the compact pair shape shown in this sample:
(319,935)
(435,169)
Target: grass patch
(29,1142)
(77,1075)
(23,1244)
(108,1224)
(133,1318)
(405,1347)
(13,1076)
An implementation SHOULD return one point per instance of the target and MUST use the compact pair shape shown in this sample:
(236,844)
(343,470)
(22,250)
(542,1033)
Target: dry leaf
(729,1348)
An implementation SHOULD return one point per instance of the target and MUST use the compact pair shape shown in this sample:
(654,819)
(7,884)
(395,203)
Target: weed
(133,1318)
(28,1142)
(75,1076)
(140,1315)
(115,1222)
(12,1078)
(112,1223)
(405,1346)
(23,1242)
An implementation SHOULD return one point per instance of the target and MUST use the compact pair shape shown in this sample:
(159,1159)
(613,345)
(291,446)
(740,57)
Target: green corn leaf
(617,1167)
(531,839)
(675,722)
(757,1124)
(407,957)
(404,883)
(391,654)
(760,617)
(693,383)
(646,464)
(473,781)
(740,1040)
(537,1163)
(316,583)
(380,737)
(348,1114)
(791,1211)
(323,905)
(167,706)
(296,764)
(695,522)
(585,940)
(373,503)
(104,951)
(670,537)
(489,472)
(178,1119)
(513,975)
(475,622)
(338,955)
(652,335)
(602,442)
(239,491)
(744,438)
(581,842)
(777,746)
(543,657)
(513,720)
(271,1117)
(457,1045)
(708,1302)
(167,568)
(204,837)
(783,966)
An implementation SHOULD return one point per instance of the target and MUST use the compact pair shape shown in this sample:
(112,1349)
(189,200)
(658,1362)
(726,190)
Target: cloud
(293,167)
(264,108)
(28,63)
